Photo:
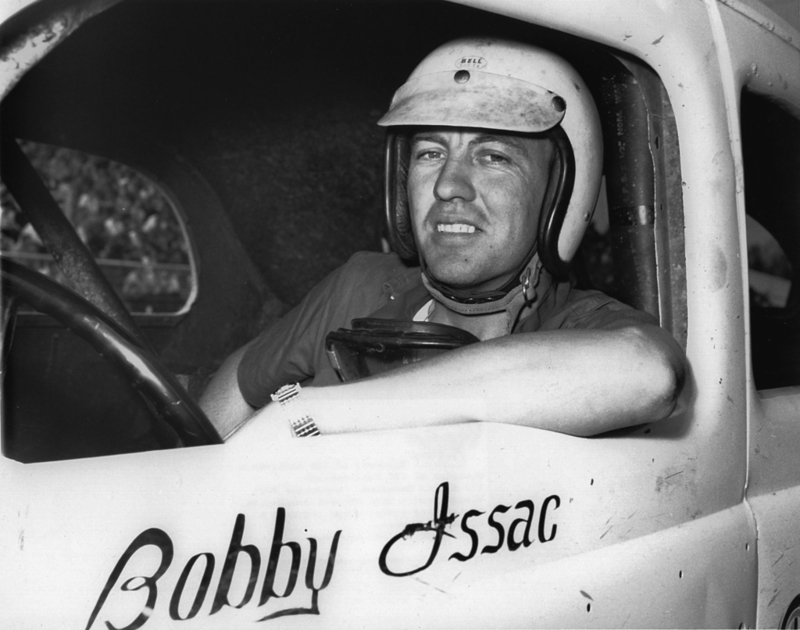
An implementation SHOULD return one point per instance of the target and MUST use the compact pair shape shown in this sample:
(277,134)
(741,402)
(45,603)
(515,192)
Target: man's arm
(580,382)
(222,401)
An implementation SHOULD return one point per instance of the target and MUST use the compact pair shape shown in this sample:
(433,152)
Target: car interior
(256,122)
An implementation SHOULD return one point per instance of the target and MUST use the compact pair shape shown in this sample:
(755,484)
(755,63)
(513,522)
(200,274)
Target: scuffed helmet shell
(475,99)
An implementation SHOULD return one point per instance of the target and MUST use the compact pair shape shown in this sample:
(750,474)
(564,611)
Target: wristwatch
(304,426)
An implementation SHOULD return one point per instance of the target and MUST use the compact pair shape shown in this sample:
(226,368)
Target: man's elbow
(663,372)
(664,391)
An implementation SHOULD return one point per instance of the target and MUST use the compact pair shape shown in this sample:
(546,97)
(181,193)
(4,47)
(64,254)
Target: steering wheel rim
(167,398)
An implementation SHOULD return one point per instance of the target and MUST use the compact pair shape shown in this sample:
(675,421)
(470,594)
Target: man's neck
(483,327)
(488,321)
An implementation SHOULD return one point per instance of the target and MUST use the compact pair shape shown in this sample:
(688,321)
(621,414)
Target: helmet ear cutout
(556,203)
(398,218)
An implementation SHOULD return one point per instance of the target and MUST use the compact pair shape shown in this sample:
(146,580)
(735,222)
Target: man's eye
(429,154)
(494,158)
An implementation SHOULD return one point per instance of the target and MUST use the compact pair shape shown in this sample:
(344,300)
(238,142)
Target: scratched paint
(20,54)
(16,61)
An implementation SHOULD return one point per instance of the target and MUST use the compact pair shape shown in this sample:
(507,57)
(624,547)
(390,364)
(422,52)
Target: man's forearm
(577,382)
(222,401)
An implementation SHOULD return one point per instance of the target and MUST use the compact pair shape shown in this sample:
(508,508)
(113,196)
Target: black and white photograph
(399,314)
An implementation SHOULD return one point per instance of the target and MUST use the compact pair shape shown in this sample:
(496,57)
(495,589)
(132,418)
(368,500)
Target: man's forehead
(473,136)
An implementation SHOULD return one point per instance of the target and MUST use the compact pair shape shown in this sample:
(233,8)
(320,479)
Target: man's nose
(454,180)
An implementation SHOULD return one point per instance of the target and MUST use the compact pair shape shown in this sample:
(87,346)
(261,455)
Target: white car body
(689,522)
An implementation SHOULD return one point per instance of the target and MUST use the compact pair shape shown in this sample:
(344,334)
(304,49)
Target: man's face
(475,197)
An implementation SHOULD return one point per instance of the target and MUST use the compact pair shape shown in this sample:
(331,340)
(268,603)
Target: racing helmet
(505,86)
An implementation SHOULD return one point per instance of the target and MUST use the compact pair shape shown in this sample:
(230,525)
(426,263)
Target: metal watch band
(304,427)
(286,393)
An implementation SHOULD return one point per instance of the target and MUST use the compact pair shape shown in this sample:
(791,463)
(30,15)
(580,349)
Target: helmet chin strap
(484,303)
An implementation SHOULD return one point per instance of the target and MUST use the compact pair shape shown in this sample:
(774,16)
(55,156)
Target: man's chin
(456,279)
(460,280)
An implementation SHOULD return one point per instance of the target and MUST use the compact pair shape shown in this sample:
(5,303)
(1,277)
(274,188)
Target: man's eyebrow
(508,140)
(430,136)
(433,136)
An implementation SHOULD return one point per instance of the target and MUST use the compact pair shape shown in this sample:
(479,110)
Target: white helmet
(508,86)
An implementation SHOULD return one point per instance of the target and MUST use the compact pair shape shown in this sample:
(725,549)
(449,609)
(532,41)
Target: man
(494,153)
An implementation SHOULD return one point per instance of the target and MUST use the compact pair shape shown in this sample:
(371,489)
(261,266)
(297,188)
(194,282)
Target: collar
(535,284)
(407,293)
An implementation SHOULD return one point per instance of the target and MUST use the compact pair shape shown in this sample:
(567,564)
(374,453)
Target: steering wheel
(165,396)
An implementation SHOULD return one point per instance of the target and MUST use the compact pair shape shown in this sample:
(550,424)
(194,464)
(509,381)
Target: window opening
(770,272)
(128,223)
(771,156)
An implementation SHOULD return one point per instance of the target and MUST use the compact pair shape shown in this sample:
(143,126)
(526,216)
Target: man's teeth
(455,227)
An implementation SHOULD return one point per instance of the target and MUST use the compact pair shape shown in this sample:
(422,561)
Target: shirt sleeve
(594,310)
(293,349)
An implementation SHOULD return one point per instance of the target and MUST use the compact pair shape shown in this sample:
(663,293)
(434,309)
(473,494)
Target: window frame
(128,159)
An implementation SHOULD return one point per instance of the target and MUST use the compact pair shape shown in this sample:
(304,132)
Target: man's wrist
(301,424)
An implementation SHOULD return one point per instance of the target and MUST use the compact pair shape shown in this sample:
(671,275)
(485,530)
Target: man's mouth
(455,228)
